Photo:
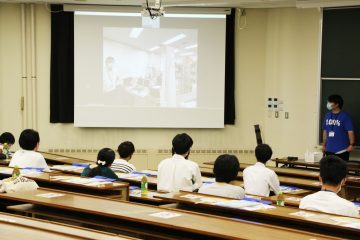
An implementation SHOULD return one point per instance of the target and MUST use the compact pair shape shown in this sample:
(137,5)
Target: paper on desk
(295,199)
(149,172)
(129,176)
(353,225)
(59,178)
(165,215)
(287,189)
(191,196)
(302,214)
(7,220)
(346,220)
(50,195)
(237,204)
(66,167)
(259,207)
(96,183)
(210,200)
(207,180)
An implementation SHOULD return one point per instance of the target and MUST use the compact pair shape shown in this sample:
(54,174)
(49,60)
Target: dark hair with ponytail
(105,158)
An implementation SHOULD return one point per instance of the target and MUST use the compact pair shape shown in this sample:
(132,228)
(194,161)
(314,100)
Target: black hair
(7,137)
(263,153)
(182,143)
(28,139)
(226,168)
(126,149)
(332,170)
(337,99)
(106,155)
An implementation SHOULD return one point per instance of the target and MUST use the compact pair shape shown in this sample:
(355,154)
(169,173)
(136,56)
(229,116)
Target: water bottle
(144,186)
(280,201)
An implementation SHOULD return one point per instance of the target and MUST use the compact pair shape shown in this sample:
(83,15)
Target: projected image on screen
(150,67)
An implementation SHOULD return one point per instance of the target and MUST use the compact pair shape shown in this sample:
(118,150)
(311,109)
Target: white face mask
(329,106)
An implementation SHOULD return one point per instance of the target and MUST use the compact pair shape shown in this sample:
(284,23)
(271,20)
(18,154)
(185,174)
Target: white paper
(259,207)
(302,214)
(50,195)
(345,220)
(295,199)
(353,225)
(191,196)
(165,215)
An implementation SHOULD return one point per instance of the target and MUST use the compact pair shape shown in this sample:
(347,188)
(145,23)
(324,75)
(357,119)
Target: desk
(16,227)
(158,221)
(313,221)
(352,166)
(68,182)
(135,179)
(62,159)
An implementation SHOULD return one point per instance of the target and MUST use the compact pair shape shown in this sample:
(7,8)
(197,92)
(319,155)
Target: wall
(276,55)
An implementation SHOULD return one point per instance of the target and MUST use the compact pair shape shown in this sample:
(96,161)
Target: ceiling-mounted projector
(153,11)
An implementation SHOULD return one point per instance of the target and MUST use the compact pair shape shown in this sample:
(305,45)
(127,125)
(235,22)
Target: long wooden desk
(174,224)
(135,179)
(52,158)
(291,217)
(58,180)
(16,227)
(352,165)
(292,176)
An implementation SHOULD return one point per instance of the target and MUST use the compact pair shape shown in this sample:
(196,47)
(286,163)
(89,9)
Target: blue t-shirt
(339,124)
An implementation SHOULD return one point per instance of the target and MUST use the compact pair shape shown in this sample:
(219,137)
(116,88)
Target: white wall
(277,54)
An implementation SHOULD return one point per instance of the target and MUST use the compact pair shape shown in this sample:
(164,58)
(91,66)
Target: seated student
(105,158)
(258,179)
(178,173)
(332,176)
(226,169)
(28,156)
(125,150)
(6,138)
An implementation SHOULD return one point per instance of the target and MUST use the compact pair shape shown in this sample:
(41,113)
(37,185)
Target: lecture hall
(179,119)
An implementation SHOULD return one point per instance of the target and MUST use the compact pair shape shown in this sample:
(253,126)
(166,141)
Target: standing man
(338,130)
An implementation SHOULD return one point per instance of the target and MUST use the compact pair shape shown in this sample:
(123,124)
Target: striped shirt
(121,165)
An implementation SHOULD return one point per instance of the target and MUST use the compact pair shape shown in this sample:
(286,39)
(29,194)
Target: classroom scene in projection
(176,119)
(166,66)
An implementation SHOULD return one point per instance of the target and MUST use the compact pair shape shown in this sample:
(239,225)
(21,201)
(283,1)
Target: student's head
(226,168)
(263,153)
(106,157)
(332,171)
(126,150)
(29,139)
(8,138)
(335,101)
(181,144)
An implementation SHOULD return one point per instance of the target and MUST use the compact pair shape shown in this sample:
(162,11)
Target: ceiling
(208,3)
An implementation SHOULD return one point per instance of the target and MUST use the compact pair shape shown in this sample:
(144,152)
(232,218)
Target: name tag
(332,134)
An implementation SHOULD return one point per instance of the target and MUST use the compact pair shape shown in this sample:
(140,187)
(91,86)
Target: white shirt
(260,180)
(25,158)
(177,173)
(122,165)
(223,190)
(329,202)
